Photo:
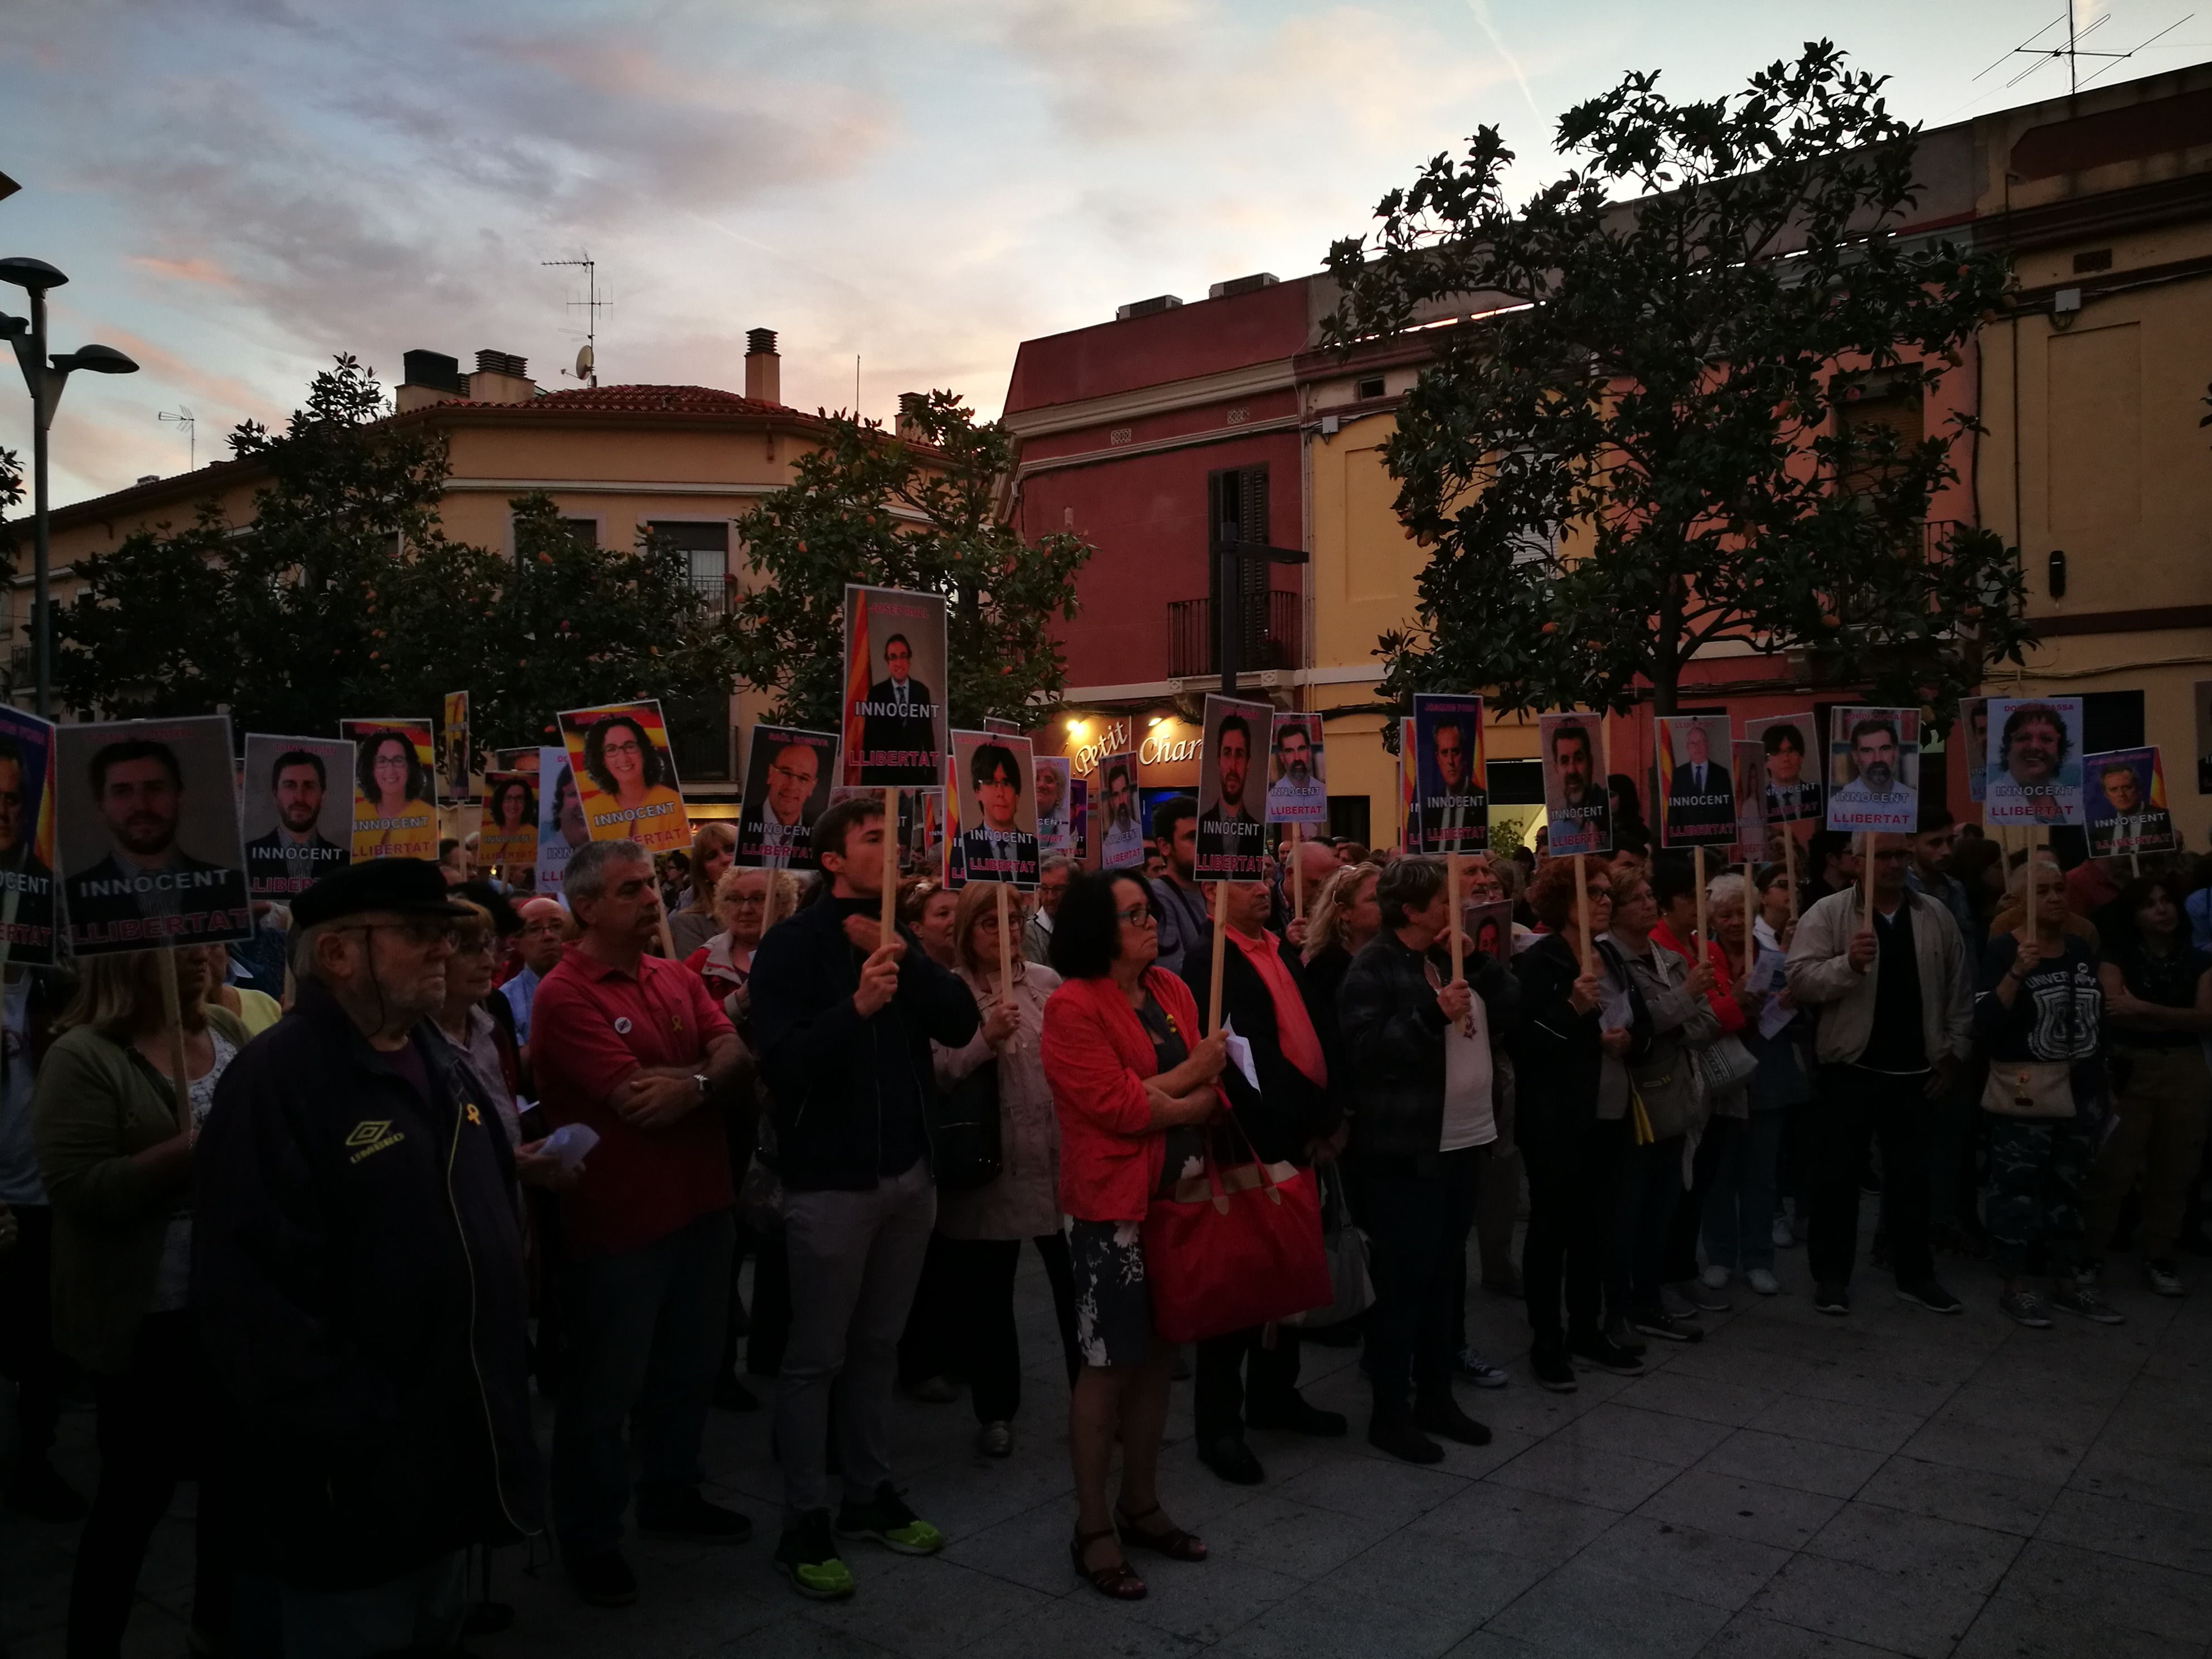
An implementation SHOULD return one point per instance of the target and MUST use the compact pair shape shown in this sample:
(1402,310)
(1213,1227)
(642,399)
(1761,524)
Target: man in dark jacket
(1418,1042)
(844,1019)
(1263,1001)
(358,1274)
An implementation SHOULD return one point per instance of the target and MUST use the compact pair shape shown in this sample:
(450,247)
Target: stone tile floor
(1891,1483)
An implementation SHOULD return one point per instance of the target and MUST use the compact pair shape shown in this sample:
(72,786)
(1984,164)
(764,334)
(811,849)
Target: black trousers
(1419,1209)
(769,1326)
(1574,1180)
(156,1427)
(1681,1258)
(27,1333)
(977,1303)
(1240,1374)
(1648,1189)
(1852,1106)
(926,1348)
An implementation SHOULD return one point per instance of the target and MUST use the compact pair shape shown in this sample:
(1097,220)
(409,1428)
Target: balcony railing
(1269,637)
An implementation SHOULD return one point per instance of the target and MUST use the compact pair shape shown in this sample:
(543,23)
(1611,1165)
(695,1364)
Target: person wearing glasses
(358,1280)
(1894,1017)
(625,765)
(1131,1082)
(696,919)
(546,930)
(634,1047)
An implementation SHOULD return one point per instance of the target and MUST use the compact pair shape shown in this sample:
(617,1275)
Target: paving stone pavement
(1891,1483)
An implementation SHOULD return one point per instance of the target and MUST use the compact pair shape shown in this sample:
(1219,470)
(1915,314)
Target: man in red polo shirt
(634,1047)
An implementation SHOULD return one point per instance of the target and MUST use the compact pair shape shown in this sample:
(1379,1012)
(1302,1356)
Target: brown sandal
(1118,1581)
(1175,1543)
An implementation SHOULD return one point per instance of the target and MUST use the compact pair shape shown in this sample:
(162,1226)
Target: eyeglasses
(623,748)
(1136,915)
(746,898)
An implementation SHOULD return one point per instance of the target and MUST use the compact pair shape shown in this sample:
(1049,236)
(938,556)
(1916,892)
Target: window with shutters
(1237,499)
(706,545)
(1880,419)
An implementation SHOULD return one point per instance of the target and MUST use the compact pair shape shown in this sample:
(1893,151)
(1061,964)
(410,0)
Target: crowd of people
(447,1252)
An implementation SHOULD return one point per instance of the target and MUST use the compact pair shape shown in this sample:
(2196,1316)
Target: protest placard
(2123,800)
(618,754)
(297,808)
(147,828)
(1578,811)
(1697,796)
(561,826)
(991,809)
(1298,786)
(393,774)
(894,728)
(1232,831)
(507,842)
(1121,832)
(2035,761)
(1451,791)
(789,774)
(27,840)
(1793,772)
(456,758)
(1873,770)
(1055,828)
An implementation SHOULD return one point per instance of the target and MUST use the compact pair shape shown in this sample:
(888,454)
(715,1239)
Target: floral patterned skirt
(1112,1304)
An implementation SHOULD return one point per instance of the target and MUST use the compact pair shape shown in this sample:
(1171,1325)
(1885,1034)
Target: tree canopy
(343,596)
(869,508)
(1646,441)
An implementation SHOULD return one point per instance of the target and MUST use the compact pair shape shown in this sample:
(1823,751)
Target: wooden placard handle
(890,864)
(1220,945)
(1581,914)
(1458,934)
(1006,949)
(1698,875)
(172,1010)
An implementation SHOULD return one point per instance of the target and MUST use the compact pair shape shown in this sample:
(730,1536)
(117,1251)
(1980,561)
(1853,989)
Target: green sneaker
(806,1555)
(886,1519)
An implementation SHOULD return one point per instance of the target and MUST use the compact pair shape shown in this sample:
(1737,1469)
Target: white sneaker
(1783,1238)
(1715,1277)
(1763,1281)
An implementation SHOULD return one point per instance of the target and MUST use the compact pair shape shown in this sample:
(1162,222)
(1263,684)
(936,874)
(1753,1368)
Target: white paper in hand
(1768,975)
(571,1143)
(1240,1055)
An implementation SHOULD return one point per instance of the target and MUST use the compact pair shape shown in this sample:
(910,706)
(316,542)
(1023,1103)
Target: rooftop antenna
(185,418)
(2040,51)
(586,370)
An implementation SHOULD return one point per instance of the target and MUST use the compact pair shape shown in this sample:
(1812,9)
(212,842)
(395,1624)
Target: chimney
(764,368)
(149,477)
(908,424)
(430,377)
(501,377)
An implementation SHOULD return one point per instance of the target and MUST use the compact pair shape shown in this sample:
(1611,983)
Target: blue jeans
(645,1330)
(1739,1216)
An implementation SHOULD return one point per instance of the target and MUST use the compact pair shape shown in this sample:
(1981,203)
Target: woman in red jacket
(1129,1073)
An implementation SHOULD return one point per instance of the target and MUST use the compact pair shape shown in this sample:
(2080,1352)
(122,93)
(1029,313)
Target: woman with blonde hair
(695,920)
(116,1155)
(979,1230)
(1344,919)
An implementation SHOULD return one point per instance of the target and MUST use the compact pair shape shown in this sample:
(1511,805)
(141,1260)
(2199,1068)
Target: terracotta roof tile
(639,400)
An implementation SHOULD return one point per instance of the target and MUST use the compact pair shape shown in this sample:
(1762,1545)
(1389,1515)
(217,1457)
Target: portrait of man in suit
(296,852)
(1700,794)
(994,846)
(138,792)
(1233,744)
(900,721)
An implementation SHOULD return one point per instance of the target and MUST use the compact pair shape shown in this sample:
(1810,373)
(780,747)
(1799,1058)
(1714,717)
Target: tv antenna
(185,418)
(586,370)
(2040,51)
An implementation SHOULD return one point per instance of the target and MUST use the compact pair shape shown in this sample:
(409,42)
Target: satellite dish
(583,363)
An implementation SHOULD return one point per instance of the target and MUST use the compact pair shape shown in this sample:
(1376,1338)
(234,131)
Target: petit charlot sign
(1163,746)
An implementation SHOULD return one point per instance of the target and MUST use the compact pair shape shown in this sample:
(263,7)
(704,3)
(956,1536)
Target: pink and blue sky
(240,188)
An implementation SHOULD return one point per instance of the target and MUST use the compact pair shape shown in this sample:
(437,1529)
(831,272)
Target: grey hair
(1725,889)
(1407,883)
(1056,862)
(302,947)
(585,876)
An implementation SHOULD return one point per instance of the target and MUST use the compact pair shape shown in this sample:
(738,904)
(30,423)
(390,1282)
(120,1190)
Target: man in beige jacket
(1894,1011)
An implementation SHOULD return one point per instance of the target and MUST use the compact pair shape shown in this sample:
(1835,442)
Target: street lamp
(45,376)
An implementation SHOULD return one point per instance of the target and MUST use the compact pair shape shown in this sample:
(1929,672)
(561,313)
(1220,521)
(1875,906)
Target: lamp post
(45,376)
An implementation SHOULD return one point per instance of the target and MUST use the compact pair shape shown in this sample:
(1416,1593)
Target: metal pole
(42,417)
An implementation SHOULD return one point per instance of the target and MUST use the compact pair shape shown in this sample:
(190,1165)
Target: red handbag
(1232,1249)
